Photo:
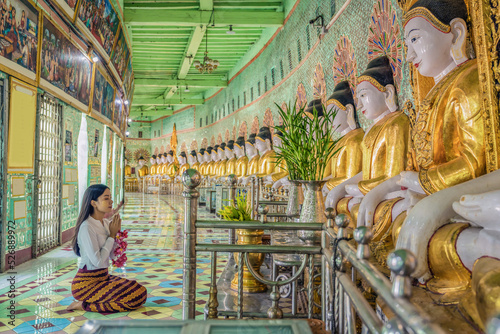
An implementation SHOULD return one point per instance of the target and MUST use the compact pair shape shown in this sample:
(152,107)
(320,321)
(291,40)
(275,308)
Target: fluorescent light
(95,59)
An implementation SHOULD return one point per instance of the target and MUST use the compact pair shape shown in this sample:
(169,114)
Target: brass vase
(250,284)
(295,199)
(313,211)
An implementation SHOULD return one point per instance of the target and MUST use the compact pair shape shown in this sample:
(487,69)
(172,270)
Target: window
(258,88)
(238,102)
(290,59)
(223,112)
(273,77)
(299,53)
(201,120)
(212,118)
(265,83)
(332,7)
(232,102)
(281,69)
(251,93)
(206,120)
(308,36)
(140,134)
(244,98)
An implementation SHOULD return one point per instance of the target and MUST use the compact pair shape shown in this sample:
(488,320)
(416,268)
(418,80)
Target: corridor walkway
(154,259)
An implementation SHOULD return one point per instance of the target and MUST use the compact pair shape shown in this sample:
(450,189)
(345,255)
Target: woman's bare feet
(76,305)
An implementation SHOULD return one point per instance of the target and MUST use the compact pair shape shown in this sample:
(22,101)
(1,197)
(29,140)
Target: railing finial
(402,263)
(363,235)
(191,178)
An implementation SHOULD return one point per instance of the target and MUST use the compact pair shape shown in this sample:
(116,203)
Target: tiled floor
(155,260)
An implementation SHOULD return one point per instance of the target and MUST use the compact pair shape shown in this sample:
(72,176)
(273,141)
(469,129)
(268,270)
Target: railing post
(213,303)
(325,274)
(402,263)
(191,179)
(231,179)
(263,210)
(363,235)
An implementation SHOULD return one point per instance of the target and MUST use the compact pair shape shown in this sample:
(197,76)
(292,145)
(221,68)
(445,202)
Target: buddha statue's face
(339,122)
(201,157)
(262,145)
(429,49)
(152,161)
(229,153)
(170,158)
(142,162)
(163,159)
(214,156)
(207,156)
(182,160)
(277,143)
(251,150)
(371,101)
(158,160)
(191,159)
(238,151)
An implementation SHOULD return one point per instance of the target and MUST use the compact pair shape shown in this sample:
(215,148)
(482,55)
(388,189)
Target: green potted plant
(307,147)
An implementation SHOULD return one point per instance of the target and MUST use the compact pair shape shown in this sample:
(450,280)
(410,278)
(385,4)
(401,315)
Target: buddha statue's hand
(353,190)
(480,209)
(410,180)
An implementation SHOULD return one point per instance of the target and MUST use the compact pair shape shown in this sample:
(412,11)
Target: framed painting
(68,144)
(104,95)
(19,22)
(64,65)
(127,78)
(68,7)
(117,116)
(120,54)
(101,19)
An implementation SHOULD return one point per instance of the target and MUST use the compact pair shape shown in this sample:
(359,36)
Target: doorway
(48,172)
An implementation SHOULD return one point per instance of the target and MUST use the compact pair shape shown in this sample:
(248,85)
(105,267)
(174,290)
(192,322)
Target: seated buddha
(447,148)
(241,165)
(183,165)
(263,142)
(221,166)
(383,156)
(203,163)
(153,167)
(280,176)
(214,163)
(143,170)
(193,161)
(209,167)
(254,159)
(231,158)
(172,166)
(347,161)
(127,170)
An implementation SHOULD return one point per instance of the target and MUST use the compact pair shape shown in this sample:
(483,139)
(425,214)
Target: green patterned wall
(290,60)
(95,131)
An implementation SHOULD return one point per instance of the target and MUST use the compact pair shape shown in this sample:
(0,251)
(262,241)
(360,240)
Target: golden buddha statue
(222,164)
(347,161)
(163,165)
(203,162)
(267,162)
(193,161)
(254,159)
(382,155)
(241,165)
(154,165)
(172,165)
(210,155)
(144,170)
(127,170)
(231,158)
(280,171)
(184,166)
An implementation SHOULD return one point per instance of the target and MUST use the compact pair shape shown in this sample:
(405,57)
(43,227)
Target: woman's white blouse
(96,246)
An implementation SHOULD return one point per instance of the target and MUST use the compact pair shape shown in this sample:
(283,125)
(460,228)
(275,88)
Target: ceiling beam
(185,82)
(193,18)
(162,102)
(192,47)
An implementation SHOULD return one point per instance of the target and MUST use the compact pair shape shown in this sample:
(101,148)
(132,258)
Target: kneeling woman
(94,289)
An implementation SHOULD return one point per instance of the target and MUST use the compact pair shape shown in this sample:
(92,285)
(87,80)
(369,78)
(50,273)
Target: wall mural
(193,146)
(219,139)
(64,65)
(227,136)
(384,38)
(104,96)
(255,125)
(19,33)
(120,54)
(300,97)
(319,84)
(233,134)
(127,78)
(204,143)
(268,119)
(117,116)
(101,19)
(212,141)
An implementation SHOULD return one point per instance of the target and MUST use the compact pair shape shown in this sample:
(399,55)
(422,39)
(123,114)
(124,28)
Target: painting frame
(101,71)
(112,56)
(53,88)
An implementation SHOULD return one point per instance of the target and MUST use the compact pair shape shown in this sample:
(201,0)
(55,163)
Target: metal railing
(344,308)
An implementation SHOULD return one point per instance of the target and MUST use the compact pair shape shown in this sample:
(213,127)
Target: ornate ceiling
(168,36)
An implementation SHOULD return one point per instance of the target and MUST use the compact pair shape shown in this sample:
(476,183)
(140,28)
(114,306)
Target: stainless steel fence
(343,307)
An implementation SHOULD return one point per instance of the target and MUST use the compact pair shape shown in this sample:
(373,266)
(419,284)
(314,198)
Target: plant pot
(295,199)
(313,211)
(250,283)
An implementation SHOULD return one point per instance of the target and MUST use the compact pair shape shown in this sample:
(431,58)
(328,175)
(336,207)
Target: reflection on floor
(154,259)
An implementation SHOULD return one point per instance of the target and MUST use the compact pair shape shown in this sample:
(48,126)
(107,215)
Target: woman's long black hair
(91,194)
